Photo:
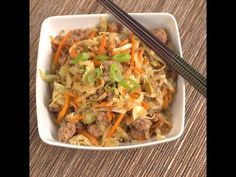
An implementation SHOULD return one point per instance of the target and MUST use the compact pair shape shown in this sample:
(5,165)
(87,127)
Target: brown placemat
(183,157)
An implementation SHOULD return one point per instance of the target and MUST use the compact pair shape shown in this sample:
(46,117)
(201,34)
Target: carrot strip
(73,53)
(141,138)
(72,95)
(114,127)
(145,62)
(140,54)
(102,45)
(96,63)
(56,57)
(139,71)
(64,109)
(145,105)
(92,138)
(132,50)
(165,105)
(134,95)
(128,72)
(125,41)
(92,34)
(109,115)
(104,104)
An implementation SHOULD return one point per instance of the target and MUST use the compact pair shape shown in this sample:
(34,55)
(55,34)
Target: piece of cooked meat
(139,129)
(106,66)
(158,117)
(161,34)
(142,124)
(160,122)
(66,132)
(93,130)
(81,34)
(136,134)
(114,27)
(102,117)
(79,126)
(171,72)
(166,127)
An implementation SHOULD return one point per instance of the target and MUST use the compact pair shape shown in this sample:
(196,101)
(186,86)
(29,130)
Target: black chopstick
(184,69)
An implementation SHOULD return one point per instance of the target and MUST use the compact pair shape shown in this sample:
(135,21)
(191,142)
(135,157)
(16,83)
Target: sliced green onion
(102,57)
(124,84)
(130,84)
(133,85)
(81,57)
(95,74)
(122,57)
(115,72)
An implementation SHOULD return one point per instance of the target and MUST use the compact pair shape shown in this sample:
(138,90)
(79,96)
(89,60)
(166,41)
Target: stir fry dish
(108,88)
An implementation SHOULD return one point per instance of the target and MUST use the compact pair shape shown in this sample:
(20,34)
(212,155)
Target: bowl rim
(131,146)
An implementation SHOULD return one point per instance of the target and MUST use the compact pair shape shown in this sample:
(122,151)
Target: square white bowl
(52,26)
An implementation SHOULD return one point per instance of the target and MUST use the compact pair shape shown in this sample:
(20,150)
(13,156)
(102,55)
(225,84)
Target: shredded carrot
(76,118)
(123,92)
(92,138)
(96,63)
(125,41)
(104,104)
(165,105)
(56,57)
(64,109)
(134,95)
(72,95)
(145,62)
(109,115)
(73,53)
(128,72)
(102,45)
(141,138)
(145,105)
(139,71)
(132,50)
(92,34)
(140,54)
(114,127)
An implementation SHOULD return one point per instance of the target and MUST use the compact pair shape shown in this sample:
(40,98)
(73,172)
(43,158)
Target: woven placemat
(183,157)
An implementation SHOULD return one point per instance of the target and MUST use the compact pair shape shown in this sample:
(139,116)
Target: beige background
(183,157)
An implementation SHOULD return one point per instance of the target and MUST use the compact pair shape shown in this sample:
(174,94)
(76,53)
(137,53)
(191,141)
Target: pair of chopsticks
(183,68)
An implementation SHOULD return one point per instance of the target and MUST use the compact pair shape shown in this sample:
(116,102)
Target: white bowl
(52,26)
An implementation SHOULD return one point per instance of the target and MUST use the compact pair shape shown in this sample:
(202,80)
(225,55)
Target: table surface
(183,157)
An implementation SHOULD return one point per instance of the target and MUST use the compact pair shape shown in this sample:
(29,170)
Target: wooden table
(183,157)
